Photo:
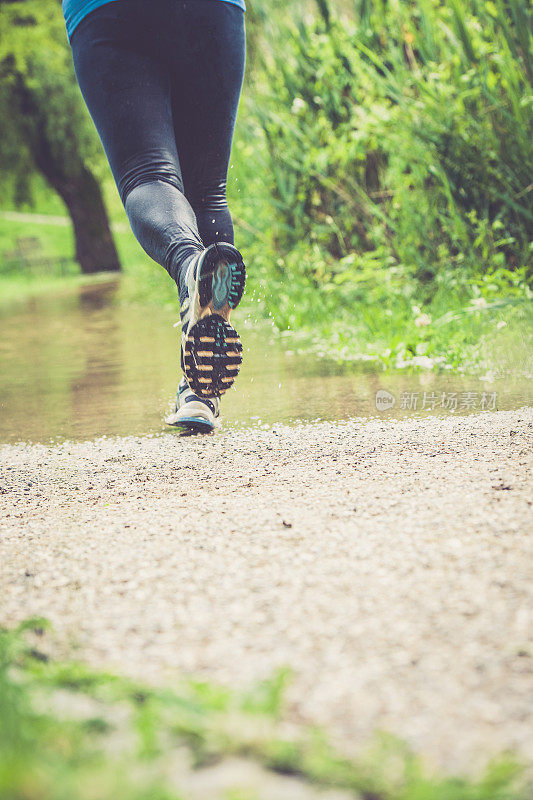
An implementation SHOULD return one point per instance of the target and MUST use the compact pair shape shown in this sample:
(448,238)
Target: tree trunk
(76,185)
(95,248)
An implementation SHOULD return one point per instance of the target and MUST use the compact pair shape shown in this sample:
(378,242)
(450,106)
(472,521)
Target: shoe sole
(212,354)
(194,425)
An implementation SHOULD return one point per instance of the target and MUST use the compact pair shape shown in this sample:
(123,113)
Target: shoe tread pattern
(222,279)
(212,356)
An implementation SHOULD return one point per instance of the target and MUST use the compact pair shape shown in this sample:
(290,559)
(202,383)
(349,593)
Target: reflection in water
(96,296)
(93,389)
(79,366)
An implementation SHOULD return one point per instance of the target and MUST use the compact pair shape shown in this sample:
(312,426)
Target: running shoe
(212,285)
(193,413)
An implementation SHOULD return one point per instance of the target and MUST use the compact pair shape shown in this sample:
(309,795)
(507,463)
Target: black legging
(162,80)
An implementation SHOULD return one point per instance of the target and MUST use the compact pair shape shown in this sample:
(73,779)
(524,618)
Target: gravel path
(388,564)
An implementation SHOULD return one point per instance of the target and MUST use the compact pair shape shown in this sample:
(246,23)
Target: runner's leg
(206,78)
(127,90)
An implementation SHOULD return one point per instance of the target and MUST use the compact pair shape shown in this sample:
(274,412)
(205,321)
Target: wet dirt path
(389,565)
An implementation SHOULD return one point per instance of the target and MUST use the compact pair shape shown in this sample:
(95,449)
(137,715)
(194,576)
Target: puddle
(80,366)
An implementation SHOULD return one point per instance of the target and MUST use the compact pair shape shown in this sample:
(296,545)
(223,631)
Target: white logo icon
(384,400)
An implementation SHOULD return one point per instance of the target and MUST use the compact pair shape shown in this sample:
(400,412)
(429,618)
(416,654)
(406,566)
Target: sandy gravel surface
(388,564)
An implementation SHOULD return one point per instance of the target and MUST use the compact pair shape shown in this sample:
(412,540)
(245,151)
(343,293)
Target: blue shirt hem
(75,10)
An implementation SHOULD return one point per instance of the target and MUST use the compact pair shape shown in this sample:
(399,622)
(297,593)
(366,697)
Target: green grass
(386,168)
(115,737)
(142,281)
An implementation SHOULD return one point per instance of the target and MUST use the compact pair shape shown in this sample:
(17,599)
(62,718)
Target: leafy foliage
(384,164)
(39,98)
(404,131)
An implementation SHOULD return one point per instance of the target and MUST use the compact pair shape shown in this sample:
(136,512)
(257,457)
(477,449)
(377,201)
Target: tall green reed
(401,128)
